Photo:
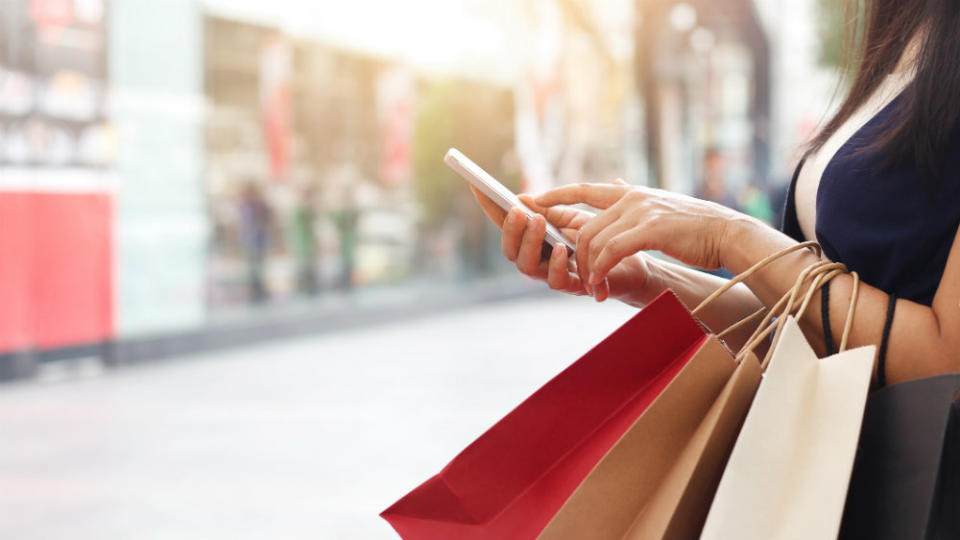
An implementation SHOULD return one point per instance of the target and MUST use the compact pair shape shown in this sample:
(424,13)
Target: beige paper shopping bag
(657,482)
(788,474)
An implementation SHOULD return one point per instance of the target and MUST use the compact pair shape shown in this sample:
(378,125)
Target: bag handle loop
(787,305)
(790,304)
(743,276)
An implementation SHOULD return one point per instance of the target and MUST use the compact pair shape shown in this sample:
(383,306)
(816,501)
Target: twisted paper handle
(791,303)
(740,278)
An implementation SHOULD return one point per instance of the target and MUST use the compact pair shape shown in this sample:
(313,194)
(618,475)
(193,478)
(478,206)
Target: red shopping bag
(510,482)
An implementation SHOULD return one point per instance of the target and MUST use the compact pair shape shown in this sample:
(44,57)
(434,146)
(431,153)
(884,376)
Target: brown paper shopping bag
(788,474)
(657,482)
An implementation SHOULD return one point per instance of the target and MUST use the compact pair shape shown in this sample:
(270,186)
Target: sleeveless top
(883,222)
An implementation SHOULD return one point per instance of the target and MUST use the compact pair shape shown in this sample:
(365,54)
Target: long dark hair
(924,120)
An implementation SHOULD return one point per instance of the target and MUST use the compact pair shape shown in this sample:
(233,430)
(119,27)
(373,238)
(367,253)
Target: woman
(878,189)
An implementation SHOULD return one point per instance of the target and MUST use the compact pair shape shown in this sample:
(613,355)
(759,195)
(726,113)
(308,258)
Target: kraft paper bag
(906,478)
(658,480)
(511,481)
(789,471)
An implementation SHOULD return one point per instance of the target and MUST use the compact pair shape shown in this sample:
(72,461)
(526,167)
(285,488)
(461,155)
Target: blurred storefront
(703,73)
(56,175)
(323,165)
(161,164)
(166,165)
(576,109)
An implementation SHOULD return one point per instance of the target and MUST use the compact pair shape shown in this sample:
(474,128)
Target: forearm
(918,347)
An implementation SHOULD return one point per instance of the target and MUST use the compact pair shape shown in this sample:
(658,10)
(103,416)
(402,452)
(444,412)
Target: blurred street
(303,438)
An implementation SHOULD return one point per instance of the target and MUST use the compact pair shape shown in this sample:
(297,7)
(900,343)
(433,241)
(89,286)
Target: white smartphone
(498,193)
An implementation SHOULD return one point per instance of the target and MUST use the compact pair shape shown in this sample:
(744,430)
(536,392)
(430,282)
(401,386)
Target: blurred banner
(395,100)
(275,59)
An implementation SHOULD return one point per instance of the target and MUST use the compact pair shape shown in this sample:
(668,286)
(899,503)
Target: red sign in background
(56,245)
(55,270)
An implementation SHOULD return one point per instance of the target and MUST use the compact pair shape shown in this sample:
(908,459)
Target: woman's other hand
(521,243)
(635,219)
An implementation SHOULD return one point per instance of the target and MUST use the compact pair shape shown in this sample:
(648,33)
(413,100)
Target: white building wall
(155,70)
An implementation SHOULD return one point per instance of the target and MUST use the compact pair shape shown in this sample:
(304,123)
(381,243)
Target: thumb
(531,203)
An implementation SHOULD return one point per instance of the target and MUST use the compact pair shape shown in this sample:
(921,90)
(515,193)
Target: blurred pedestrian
(303,240)
(255,219)
(713,187)
(347,219)
(756,203)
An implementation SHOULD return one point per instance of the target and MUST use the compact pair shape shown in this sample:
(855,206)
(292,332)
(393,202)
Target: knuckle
(583,243)
(614,243)
(654,220)
(595,248)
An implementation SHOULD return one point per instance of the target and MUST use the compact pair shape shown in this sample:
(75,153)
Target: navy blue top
(882,222)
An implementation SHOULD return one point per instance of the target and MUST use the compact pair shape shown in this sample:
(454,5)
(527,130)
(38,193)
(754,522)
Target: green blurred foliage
(475,118)
(830,21)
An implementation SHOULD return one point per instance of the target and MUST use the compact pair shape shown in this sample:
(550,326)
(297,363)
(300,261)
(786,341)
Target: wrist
(739,236)
(642,281)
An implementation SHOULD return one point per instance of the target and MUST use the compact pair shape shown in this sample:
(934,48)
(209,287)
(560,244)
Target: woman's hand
(635,219)
(522,241)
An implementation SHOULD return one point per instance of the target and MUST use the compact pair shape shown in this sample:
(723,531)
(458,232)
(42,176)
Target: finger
(490,208)
(558,216)
(531,203)
(584,239)
(558,277)
(601,291)
(574,283)
(576,286)
(531,246)
(571,234)
(621,181)
(599,242)
(513,227)
(596,195)
(618,248)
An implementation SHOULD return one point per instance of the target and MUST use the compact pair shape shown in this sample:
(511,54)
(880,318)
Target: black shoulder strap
(789,223)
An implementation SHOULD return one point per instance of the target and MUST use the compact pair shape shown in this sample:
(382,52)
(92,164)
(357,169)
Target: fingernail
(589,288)
(604,293)
(593,278)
